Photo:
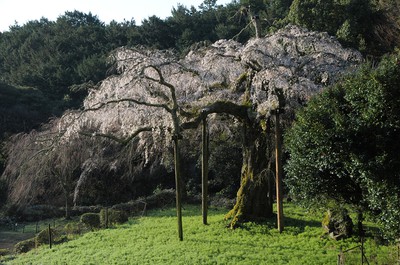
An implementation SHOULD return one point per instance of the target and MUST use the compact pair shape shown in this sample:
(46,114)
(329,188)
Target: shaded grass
(153,240)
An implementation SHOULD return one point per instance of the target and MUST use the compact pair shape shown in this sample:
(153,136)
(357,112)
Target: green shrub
(161,198)
(25,246)
(4,252)
(114,217)
(43,236)
(91,220)
(73,228)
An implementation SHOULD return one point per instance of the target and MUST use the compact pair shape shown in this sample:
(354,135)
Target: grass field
(153,240)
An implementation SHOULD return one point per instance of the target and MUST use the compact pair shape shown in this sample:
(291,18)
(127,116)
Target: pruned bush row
(91,220)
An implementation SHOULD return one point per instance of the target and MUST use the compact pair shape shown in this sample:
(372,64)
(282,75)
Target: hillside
(151,240)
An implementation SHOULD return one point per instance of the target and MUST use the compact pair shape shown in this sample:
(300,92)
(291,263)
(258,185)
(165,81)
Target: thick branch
(103,104)
(122,141)
(239,111)
(162,81)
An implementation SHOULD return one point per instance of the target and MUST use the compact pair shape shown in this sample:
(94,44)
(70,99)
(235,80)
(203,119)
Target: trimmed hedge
(91,220)
(73,228)
(114,217)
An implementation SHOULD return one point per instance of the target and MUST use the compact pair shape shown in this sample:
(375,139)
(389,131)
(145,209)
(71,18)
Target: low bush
(73,228)
(4,252)
(161,198)
(112,217)
(25,246)
(43,236)
(91,220)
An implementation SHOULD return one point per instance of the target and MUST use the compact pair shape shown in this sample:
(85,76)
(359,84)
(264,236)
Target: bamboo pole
(204,171)
(278,175)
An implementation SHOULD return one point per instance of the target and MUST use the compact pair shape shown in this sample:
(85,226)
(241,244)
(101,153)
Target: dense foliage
(368,25)
(344,144)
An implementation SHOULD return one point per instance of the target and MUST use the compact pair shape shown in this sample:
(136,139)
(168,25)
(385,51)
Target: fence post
(340,255)
(106,217)
(50,236)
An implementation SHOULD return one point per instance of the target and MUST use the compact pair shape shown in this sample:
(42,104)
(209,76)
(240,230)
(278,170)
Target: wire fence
(353,255)
(358,255)
(29,227)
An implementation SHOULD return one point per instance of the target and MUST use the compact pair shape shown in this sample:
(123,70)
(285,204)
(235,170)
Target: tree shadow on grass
(297,225)
(292,224)
(189,210)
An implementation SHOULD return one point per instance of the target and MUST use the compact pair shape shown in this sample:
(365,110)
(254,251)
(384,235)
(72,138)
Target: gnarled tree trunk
(254,197)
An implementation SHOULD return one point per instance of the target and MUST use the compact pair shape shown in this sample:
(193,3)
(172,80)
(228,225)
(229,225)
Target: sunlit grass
(153,240)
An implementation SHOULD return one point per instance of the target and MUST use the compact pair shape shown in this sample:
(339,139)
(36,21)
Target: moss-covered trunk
(254,197)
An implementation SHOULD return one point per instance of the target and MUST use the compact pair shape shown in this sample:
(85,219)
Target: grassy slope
(153,240)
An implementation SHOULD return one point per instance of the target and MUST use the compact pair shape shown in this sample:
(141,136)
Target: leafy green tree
(156,33)
(344,145)
(208,5)
(278,9)
(256,6)
(351,21)
(52,56)
(369,26)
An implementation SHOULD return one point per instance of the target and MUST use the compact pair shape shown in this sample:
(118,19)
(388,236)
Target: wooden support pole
(278,175)
(204,171)
(178,188)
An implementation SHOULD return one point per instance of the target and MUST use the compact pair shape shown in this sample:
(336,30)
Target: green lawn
(153,240)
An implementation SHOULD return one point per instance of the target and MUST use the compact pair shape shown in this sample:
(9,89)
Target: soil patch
(9,238)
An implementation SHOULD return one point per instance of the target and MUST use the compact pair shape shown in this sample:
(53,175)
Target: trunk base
(254,200)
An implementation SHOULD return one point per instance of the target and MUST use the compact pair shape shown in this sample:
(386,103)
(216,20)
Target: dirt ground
(9,238)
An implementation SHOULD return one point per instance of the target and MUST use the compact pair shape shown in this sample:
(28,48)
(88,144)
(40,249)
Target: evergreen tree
(344,145)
